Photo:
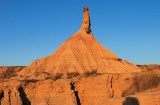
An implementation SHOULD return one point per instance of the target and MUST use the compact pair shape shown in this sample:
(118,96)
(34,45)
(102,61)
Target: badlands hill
(80,72)
(79,54)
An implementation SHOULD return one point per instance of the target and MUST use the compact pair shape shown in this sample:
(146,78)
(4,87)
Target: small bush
(55,77)
(30,81)
(73,74)
(87,73)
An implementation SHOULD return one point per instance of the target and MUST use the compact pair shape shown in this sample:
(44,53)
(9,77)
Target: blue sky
(33,29)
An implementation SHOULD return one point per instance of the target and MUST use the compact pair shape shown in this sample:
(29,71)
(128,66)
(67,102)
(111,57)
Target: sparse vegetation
(8,73)
(73,74)
(31,80)
(54,77)
(143,82)
(93,72)
(147,81)
(149,67)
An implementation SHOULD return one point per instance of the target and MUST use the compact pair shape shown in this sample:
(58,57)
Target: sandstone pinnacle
(86,20)
(80,53)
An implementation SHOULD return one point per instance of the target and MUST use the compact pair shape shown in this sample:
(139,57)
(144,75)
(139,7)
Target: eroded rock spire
(86,20)
(81,53)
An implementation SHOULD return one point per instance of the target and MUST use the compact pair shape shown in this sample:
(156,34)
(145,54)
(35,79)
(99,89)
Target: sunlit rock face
(80,53)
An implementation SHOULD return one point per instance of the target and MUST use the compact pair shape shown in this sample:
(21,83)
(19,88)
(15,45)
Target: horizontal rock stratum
(80,53)
(96,89)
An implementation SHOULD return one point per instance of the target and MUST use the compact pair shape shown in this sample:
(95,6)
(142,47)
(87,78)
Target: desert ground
(90,88)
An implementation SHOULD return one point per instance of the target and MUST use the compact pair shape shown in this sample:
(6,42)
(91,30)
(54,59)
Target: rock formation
(80,72)
(80,53)
(95,89)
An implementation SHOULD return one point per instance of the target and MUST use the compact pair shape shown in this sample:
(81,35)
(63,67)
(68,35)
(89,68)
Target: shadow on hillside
(1,94)
(131,101)
(23,96)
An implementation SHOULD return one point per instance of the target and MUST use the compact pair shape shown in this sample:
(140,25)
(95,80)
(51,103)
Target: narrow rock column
(6,100)
(15,98)
(86,20)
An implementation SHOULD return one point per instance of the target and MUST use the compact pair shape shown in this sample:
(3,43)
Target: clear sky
(33,29)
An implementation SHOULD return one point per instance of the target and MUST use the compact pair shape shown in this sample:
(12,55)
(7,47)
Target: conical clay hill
(80,53)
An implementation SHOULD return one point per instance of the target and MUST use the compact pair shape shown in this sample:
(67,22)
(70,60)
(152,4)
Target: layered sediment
(80,53)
